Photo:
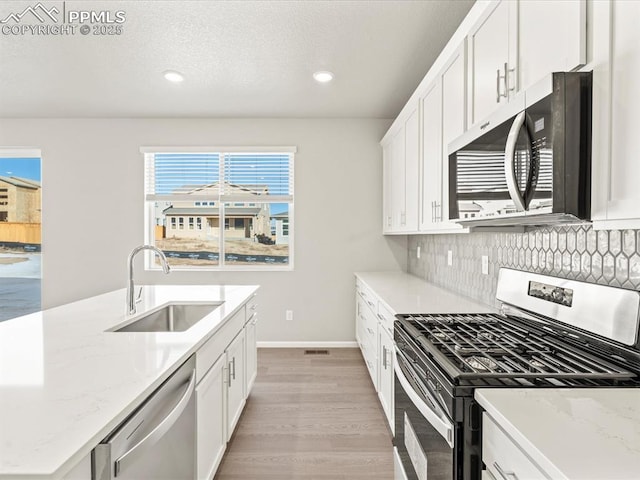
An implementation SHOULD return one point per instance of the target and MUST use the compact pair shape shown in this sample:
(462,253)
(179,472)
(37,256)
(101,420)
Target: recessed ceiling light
(173,76)
(323,76)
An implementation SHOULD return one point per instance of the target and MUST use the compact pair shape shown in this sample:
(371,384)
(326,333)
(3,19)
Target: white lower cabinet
(385,377)
(211,424)
(252,351)
(226,367)
(374,334)
(502,457)
(235,382)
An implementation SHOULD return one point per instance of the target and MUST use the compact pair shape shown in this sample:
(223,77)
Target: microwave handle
(510,162)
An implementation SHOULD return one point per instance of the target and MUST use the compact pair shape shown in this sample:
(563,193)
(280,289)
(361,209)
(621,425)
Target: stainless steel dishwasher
(158,440)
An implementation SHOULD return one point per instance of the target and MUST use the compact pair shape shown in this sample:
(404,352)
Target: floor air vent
(316,352)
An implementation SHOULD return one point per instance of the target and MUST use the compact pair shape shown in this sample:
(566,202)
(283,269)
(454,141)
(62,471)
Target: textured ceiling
(240,59)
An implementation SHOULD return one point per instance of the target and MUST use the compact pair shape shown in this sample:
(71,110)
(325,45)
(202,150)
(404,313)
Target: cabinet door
(409,217)
(387,203)
(252,352)
(235,382)
(503,457)
(210,412)
(552,38)
(623,195)
(397,181)
(431,162)
(453,118)
(385,367)
(489,50)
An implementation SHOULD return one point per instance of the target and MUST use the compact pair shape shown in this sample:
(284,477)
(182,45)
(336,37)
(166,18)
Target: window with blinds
(221,208)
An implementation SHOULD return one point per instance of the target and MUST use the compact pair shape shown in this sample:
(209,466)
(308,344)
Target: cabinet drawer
(208,353)
(369,356)
(367,295)
(386,318)
(504,458)
(369,327)
(251,307)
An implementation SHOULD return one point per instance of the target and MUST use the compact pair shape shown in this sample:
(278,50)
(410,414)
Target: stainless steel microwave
(530,162)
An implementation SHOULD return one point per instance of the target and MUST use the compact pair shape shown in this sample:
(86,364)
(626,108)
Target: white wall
(93,182)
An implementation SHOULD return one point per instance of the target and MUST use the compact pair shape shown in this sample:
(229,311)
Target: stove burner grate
(491,346)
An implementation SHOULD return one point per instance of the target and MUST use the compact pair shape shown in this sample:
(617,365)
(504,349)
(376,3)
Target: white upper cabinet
(431,162)
(409,218)
(516,44)
(401,181)
(616,152)
(454,87)
(501,48)
(443,119)
(490,59)
(552,38)
(387,174)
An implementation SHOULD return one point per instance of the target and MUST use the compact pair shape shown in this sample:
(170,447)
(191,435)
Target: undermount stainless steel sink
(175,317)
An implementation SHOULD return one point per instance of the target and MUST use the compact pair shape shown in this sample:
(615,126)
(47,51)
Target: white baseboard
(307,344)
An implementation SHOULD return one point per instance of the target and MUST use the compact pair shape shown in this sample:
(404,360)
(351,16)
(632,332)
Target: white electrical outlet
(289,315)
(449,258)
(418,252)
(485,264)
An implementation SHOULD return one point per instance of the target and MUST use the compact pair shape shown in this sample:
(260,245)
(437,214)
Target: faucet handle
(139,296)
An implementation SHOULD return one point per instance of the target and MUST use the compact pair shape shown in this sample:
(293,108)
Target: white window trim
(215,149)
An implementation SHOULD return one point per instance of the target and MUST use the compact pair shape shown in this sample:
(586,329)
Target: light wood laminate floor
(310,417)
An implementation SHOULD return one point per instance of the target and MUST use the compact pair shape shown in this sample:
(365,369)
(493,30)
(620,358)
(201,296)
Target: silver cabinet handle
(381,317)
(503,474)
(505,79)
(370,331)
(384,357)
(507,71)
(233,362)
(510,162)
(143,446)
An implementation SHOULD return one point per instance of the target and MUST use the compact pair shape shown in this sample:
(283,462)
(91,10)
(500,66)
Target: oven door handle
(444,427)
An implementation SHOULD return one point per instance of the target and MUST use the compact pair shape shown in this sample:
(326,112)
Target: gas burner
(482,364)
(536,364)
(487,336)
(441,335)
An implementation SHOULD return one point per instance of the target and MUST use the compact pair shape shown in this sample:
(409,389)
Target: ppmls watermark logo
(58,20)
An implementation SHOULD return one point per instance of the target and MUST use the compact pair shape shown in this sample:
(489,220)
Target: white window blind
(171,176)
(262,174)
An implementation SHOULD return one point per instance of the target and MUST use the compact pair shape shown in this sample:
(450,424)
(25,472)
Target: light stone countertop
(404,293)
(65,383)
(577,433)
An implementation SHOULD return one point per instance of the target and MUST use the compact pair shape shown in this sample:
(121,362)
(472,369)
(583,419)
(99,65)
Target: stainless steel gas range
(550,332)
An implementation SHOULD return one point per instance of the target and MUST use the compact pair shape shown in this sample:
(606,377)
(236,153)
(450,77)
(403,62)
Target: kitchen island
(66,380)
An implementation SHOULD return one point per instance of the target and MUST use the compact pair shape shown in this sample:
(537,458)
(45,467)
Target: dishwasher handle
(144,445)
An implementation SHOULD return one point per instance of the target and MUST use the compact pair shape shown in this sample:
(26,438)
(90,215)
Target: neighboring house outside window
(251,193)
